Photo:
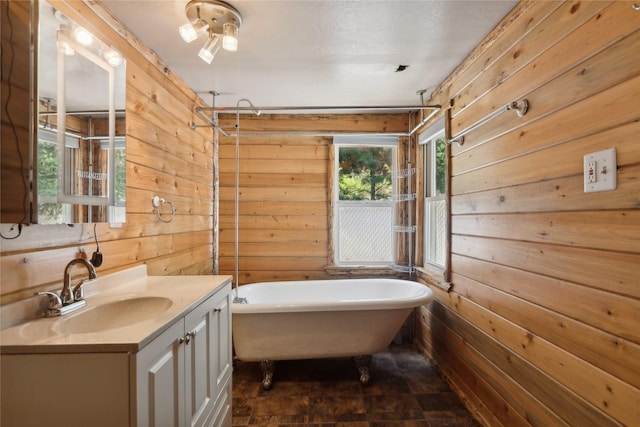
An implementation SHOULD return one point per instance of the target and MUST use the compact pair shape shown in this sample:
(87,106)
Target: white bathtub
(321,318)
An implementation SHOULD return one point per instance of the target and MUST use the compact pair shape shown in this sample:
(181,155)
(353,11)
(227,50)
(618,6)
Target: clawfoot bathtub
(320,319)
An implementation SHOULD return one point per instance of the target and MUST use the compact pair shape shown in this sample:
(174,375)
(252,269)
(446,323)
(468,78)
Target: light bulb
(209,50)
(230,36)
(82,36)
(112,57)
(192,30)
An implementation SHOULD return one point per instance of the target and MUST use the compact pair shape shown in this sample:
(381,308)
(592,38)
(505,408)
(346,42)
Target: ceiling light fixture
(230,36)
(192,30)
(209,50)
(215,19)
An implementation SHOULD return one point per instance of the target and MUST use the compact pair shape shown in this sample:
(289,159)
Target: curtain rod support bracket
(520,107)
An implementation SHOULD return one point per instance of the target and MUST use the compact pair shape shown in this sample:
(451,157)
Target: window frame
(438,274)
(353,141)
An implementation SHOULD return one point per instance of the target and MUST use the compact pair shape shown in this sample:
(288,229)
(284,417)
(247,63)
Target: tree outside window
(365,173)
(363,194)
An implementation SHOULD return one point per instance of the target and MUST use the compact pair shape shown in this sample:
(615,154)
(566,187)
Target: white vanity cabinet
(177,374)
(183,377)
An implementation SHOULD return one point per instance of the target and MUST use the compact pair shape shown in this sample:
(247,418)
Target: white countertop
(44,335)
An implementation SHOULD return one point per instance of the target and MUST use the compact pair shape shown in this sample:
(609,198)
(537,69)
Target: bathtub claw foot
(267,367)
(363,363)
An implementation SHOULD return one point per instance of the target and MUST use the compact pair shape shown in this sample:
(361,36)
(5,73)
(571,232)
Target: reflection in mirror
(80,164)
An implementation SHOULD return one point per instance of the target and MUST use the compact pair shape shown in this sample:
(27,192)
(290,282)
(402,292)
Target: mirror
(80,149)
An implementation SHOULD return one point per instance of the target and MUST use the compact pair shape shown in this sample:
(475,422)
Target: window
(364,211)
(118,212)
(435,211)
(50,210)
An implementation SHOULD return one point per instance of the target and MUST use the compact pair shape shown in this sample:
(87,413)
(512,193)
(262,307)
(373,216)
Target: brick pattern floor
(404,390)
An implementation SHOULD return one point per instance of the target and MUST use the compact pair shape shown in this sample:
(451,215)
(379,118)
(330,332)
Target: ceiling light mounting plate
(213,12)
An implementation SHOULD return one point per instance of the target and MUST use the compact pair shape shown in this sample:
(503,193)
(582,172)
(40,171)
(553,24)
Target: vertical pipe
(61,123)
(237,195)
(410,206)
(111,157)
(216,190)
(90,183)
(236,200)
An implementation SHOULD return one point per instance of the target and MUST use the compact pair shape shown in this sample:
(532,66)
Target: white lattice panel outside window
(435,232)
(365,234)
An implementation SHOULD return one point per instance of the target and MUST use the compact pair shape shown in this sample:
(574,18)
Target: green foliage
(47,169)
(440,165)
(48,212)
(120,180)
(365,173)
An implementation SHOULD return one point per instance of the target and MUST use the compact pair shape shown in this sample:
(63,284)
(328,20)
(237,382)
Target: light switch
(600,171)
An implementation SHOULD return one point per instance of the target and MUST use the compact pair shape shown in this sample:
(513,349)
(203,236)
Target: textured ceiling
(312,52)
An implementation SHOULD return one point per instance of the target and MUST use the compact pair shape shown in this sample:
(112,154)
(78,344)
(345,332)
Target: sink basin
(112,315)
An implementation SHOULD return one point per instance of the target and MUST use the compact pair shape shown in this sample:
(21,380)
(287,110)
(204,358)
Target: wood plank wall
(165,157)
(542,327)
(285,192)
(14,124)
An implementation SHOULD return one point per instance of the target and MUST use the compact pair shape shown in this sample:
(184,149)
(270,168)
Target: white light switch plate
(600,171)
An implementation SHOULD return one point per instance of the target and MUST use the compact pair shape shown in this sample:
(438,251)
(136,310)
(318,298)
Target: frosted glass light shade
(230,37)
(192,30)
(209,50)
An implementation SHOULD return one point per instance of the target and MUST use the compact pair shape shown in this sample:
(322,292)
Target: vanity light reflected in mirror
(80,160)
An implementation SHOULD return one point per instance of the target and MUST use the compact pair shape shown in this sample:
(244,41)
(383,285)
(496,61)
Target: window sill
(361,271)
(435,277)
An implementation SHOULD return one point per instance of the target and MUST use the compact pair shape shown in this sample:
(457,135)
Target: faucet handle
(54,300)
(78,291)
(66,296)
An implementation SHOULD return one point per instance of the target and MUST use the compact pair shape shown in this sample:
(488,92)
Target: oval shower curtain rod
(214,123)
(321,108)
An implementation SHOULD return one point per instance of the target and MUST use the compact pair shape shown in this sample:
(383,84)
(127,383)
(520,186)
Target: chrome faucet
(68,300)
(66,295)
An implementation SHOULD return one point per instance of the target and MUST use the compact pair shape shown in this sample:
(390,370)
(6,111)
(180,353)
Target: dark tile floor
(404,390)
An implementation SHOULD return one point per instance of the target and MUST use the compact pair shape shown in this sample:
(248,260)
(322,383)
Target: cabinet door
(207,364)
(160,380)
(200,390)
(223,351)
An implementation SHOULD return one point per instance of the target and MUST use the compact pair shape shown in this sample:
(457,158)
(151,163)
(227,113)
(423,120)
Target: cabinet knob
(217,310)
(187,337)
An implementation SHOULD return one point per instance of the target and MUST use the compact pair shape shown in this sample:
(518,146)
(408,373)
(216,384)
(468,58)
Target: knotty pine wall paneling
(15,18)
(165,157)
(541,327)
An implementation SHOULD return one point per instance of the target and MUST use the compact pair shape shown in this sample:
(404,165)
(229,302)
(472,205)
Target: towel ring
(156,202)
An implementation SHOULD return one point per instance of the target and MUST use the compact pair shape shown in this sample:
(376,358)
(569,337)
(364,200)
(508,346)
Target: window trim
(355,141)
(432,273)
